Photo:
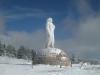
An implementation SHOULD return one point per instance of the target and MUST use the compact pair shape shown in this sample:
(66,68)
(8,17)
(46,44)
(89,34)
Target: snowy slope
(27,69)
(7,60)
(9,69)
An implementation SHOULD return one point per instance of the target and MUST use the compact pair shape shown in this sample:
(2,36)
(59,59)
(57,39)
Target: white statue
(50,27)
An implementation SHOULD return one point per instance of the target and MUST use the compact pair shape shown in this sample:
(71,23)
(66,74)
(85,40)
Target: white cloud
(86,42)
(30,40)
(86,39)
(27,12)
(84,8)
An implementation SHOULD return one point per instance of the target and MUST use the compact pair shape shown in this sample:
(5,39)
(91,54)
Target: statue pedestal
(55,56)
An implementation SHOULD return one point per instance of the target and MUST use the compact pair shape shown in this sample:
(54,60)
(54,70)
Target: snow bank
(9,69)
(55,50)
(8,60)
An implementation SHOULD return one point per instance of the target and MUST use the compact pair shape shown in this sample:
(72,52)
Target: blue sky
(22,22)
(30,15)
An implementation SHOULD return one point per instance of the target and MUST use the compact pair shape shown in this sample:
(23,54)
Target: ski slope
(27,69)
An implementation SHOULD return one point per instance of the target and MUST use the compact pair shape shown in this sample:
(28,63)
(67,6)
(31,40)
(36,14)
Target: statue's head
(49,19)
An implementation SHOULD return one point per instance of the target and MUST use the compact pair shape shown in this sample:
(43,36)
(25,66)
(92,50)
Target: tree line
(30,54)
(20,53)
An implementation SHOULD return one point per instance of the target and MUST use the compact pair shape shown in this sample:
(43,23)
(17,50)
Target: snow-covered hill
(9,69)
(8,60)
(27,69)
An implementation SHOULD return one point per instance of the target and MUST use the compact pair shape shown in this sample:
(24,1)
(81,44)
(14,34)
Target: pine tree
(33,57)
(1,49)
(21,52)
(10,51)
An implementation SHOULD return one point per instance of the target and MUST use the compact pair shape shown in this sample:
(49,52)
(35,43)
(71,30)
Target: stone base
(55,56)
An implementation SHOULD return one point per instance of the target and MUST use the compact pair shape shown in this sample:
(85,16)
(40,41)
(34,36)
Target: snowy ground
(26,69)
